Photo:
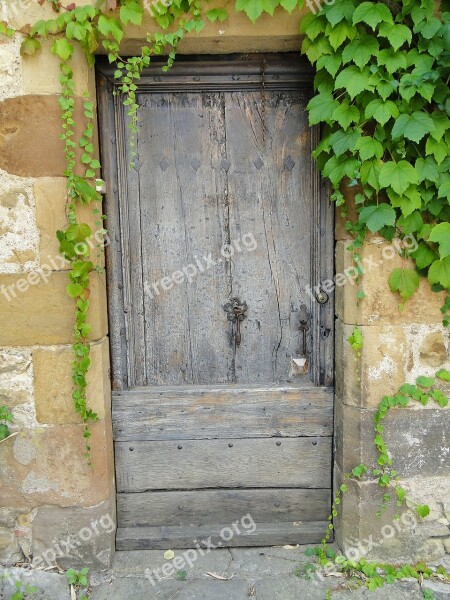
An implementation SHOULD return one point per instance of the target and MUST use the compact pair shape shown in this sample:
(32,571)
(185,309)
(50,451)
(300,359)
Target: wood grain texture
(265,534)
(201,507)
(200,464)
(201,412)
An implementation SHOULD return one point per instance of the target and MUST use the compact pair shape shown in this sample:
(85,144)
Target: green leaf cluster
(383,100)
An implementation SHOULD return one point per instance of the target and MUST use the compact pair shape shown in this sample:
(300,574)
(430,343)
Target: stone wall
(398,346)
(48,491)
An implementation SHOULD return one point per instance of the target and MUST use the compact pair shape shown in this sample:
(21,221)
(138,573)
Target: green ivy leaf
(439,150)
(254,8)
(62,48)
(443,374)
(413,127)
(441,235)
(338,34)
(353,80)
(377,216)
(425,382)
(109,26)
(342,141)
(404,281)
(330,62)
(381,110)
(345,114)
(338,168)
(427,169)
(396,34)
(410,223)
(30,46)
(220,14)
(370,173)
(321,108)
(439,272)
(423,510)
(424,256)
(337,11)
(131,12)
(372,13)
(398,175)
(317,48)
(360,50)
(368,147)
(392,60)
(74,289)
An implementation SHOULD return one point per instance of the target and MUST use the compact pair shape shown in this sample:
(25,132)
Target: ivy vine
(383,99)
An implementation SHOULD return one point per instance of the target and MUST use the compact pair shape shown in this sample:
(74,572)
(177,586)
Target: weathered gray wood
(265,534)
(270,199)
(182,220)
(110,153)
(201,412)
(200,464)
(222,506)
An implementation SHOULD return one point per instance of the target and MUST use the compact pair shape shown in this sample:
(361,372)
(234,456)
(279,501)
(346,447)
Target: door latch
(236,313)
(304,326)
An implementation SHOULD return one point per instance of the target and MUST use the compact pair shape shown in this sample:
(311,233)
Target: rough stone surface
(16,377)
(41,72)
(91,531)
(417,439)
(30,127)
(380,305)
(11,83)
(53,383)
(43,313)
(48,466)
(51,196)
(362,534)
(18,232)
(51,586)
(379,370)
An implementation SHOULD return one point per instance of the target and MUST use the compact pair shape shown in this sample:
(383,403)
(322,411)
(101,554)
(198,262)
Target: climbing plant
(383,99)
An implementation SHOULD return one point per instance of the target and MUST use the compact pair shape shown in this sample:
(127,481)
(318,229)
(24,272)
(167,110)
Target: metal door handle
(304,326)
(236,313)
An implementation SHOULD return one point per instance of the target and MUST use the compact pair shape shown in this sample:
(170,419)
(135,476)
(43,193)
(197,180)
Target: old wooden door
(218,232)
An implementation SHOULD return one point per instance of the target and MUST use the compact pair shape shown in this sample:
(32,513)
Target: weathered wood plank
(265,534)
(270,197)
(222,506)
(200,464)
(218,412)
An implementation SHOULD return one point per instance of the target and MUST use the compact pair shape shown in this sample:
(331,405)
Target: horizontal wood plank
(221,506)
(265,534)
(200,412)
(200,464)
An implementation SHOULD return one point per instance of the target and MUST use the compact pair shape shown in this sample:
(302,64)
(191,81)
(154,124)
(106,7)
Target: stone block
(41,72)
(35,309)
(16,376)
(416,439)
(18,232)
(11,83)
(30,129)
(51,586)
(378,371)
(90,533)
(48,466)
(50,196)
(398,534)
(381,306)
(53,384)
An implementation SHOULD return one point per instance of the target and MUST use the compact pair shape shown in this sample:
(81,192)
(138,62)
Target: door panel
(207,430)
